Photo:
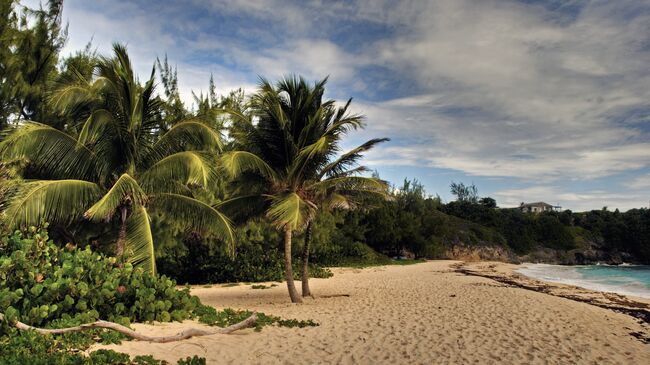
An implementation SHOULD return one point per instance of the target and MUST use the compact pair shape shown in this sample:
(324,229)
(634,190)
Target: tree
(464,193)
(347,194)
(283,157)
(117,167)
(31,42)
(488,202)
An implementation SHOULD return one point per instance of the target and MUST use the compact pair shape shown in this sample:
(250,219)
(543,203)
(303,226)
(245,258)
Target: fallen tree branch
(185,334)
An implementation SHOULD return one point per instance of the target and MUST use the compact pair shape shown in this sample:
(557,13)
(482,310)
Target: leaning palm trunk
(121,236)
(305,262)
(293,293)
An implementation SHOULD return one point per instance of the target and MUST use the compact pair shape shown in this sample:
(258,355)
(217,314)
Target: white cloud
(512,91)
(639,182)
(485,87)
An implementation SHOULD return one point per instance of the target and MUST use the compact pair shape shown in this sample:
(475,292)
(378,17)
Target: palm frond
(187,168)
(192,132)
(291,210)
(349,183)
(338,201)
(50,152)
(236,162)
(243,207)
(73,91)
(349,159)
(53,201)
(195,215)
(309,156)
(125,190)
(139,240)
(95,127)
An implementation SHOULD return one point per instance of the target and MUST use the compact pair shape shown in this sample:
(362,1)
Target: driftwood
(185,334)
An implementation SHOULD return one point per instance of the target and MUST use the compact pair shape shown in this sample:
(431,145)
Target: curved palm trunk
(293,293)
(305,262)
(121,236)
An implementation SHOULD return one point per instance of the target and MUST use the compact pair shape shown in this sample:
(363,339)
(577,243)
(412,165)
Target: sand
(417,314)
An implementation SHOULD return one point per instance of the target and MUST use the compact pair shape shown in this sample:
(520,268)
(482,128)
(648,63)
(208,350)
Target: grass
(228,285)
(262,286)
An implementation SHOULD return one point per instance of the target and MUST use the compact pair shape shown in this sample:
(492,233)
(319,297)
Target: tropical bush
(21,348)
(43,284)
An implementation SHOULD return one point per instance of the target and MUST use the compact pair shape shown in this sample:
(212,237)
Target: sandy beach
(417,314)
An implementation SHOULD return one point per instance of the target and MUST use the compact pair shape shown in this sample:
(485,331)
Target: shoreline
(584,284)
(422,313)
(636,307)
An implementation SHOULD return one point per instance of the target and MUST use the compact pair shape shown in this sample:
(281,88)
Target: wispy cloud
(533,91)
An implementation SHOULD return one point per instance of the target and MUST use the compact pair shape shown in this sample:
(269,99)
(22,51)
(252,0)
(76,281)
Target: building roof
(536,204)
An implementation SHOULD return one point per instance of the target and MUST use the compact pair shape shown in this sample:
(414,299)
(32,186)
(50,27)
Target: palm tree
(282,157)
(347,194)
(115,165)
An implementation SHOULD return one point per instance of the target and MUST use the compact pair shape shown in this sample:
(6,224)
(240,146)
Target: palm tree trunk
(293,293)
(121,236)
(305,262)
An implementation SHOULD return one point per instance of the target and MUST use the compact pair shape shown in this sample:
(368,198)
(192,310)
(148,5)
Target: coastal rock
(478,253)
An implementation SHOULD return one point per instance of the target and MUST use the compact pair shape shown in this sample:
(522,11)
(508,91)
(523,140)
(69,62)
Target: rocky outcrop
(478,253)
(589,256)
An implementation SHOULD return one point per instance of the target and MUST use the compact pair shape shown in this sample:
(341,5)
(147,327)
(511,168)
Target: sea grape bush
(45,285)
(29,348)
(41,282)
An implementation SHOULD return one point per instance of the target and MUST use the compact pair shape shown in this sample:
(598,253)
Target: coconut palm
(115,165)
(283,157)
(347,194)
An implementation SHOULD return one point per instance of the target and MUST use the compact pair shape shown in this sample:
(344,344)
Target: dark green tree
(284,156)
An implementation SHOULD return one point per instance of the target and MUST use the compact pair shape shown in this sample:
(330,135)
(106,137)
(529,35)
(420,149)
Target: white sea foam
(597,277)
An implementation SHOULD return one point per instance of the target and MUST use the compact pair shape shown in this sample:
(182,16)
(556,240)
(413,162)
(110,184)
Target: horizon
(529,100)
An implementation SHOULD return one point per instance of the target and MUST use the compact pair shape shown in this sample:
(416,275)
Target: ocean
(623,279)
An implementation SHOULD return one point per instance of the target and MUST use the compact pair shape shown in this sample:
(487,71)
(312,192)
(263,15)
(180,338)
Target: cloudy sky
(530,100)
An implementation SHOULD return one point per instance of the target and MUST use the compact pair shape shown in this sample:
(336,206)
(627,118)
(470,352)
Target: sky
(531,100)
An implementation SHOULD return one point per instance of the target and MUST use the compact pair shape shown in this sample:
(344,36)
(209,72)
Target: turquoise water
(624,279)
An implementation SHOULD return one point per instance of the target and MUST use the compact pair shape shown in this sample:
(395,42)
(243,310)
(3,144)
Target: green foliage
(25,347)
(31,42)
(464,193)
(262,286)
(116,146)
(194,360)
(257,258)
(227,317)
(44,285)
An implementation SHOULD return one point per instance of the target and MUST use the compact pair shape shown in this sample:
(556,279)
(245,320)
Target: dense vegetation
(45,285)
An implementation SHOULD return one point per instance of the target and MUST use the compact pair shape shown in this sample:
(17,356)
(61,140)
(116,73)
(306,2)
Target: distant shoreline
(637,307)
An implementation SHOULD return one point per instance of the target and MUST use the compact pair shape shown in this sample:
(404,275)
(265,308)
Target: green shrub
(44,285)
(26,347)
(227,317)
(40,282)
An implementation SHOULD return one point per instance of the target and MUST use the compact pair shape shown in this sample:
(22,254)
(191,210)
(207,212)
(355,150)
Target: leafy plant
(116,164)
(212,317)
(41,282)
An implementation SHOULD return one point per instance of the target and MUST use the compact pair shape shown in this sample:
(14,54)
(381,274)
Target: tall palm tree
(282,157)
(347,194)
(115,165)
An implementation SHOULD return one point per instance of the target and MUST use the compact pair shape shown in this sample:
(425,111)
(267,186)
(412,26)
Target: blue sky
(530,100)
